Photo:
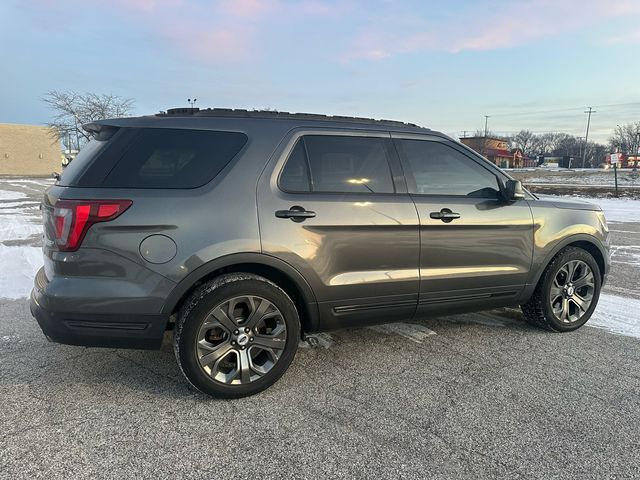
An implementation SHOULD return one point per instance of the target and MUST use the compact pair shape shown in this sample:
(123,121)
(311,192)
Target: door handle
(445,215)
(295,213)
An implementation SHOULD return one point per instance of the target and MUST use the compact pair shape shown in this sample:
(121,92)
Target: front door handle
(445,215)
(295,213)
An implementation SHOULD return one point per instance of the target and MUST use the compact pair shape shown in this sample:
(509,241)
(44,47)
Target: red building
(625,161)
(497,151)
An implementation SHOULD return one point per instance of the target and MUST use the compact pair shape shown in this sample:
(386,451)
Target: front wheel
(236,335)
(567,293)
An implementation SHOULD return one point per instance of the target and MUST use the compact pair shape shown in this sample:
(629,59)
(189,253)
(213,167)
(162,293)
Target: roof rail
(243,113)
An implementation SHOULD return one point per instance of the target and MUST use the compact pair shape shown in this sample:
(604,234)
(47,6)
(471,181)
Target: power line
(568,109)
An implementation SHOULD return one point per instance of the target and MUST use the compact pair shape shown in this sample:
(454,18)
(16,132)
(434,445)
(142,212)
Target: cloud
(248,9)
(629,37)
(485,27)
(221,30)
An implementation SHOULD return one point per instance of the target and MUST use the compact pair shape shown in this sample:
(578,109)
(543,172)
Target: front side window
(338,164)
(434,168)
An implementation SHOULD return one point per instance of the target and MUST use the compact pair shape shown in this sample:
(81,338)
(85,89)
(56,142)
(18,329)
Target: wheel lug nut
(246,330)
(233,343)
(235,332)
(251,339)
(242,348)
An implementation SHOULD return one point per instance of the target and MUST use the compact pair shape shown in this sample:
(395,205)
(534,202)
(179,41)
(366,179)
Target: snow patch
(316,340)
(412,331)
(11,195)
(17,204)
(623,210)
(617,315)
(19,267)
(19,226)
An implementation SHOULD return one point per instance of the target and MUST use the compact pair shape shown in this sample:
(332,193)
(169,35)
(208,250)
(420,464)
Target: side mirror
(513,190)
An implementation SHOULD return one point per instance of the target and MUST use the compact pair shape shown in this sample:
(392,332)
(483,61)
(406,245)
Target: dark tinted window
(348,164)
(433,168)
(295,175)
(174,158)
(72,173)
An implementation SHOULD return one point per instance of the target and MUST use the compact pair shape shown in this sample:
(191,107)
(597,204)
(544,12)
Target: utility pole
(586,137)
(484,140)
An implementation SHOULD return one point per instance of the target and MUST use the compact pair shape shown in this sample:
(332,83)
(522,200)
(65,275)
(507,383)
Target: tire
(236,335)
(546,307)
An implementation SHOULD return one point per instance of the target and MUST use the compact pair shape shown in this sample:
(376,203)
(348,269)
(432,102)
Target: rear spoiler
(100,131)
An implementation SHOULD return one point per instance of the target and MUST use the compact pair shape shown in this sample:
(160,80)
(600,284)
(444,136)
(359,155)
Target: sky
(534,64)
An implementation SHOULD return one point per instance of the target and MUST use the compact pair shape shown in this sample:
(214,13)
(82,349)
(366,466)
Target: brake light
(73,218)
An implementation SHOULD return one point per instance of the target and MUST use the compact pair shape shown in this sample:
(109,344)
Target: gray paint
(365,258)
(158,249)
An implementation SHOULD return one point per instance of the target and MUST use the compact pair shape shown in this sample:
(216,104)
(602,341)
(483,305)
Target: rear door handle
(445,215)
(295,213)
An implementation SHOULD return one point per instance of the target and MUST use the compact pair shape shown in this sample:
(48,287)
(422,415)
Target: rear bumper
(96,329)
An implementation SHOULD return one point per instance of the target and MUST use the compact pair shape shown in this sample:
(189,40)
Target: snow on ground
(576,176)
(19,266)
(20,235)
(11,195)
(19,226)
(618,315)
(622,210)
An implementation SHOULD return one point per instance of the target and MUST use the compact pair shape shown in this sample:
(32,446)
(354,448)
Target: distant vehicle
(243,231)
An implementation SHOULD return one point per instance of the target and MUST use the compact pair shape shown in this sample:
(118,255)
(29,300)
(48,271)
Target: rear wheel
(236,335)
(567,293)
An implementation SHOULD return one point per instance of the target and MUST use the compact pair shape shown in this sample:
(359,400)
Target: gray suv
(243,230)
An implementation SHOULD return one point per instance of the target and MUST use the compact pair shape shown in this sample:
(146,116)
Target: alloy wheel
(241,339)
(572,291)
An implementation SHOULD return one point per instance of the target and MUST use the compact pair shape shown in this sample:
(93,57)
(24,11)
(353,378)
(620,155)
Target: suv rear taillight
(74,217)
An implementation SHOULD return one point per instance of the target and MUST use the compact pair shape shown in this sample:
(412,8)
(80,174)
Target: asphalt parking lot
(486,396)
(469,396)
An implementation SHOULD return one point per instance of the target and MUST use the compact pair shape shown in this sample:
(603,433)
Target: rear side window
(338,164)
(295,176)
(72,173)
(174,158)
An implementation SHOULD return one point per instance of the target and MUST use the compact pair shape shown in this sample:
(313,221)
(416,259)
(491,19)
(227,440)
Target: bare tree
(71,110)
(523,140)
(626,138)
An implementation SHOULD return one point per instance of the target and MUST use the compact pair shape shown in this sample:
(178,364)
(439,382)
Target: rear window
(174,158)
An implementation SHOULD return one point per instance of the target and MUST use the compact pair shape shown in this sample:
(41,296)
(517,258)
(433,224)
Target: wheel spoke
(586,281)
(224,320)
(268,341)
(216,354)
(564,314)
(571,270)
(244,366)
(581,303)
(258,313)
(555,293)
